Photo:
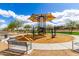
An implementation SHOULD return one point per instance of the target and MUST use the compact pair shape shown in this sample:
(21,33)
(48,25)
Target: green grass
(73,33)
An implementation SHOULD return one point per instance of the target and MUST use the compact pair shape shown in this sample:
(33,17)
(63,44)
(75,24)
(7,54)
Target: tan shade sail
(47,17)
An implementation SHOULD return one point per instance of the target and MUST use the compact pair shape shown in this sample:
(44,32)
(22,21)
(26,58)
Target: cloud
(2,21)
(9,13)
(3,26)
(4,13)
(23,18)
(61,17)
(66,15)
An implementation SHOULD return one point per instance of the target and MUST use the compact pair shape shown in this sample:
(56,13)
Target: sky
(11,11)
(29,8)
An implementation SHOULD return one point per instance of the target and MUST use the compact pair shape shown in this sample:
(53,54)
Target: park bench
(17,47)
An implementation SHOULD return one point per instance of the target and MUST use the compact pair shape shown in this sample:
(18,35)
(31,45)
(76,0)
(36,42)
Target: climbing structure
(41,19)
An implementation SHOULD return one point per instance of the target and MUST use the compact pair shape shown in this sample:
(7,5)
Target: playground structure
(26,40)
(41,19)
(38,36)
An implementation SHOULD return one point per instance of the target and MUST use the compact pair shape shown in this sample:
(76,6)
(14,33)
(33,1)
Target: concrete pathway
(57,46)
(48,46)
(52,46)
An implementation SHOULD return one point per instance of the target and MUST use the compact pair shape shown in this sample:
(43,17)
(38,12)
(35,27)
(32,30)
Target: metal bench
(17,47)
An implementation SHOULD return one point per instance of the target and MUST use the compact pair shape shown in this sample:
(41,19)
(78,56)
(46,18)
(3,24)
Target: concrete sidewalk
(57,46)
(54,46)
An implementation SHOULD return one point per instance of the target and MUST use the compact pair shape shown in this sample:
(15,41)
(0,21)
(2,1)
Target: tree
(77,24)
(27,27)
(11,26)
(14,24)
(49,27)
(18,23)
(71,25)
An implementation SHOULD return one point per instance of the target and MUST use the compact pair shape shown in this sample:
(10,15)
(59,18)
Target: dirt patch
(60,38)
(67,52)
(3,46)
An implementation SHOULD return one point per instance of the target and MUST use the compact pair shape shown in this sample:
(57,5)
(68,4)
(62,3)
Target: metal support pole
(72,44)
(55,31)
(30,45)
(8,45)
(33,33)
(52,33)
(26,46)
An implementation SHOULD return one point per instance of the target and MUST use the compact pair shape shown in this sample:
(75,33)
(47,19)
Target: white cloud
(3,26)
(4,13)
(23,18)
(64,16)
(9,13)
(61,17)
(2,21)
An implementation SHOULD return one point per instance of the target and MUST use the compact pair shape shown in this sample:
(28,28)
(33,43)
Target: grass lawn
(73,33)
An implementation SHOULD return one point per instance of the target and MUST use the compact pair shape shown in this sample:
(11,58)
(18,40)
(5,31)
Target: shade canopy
(46,17)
